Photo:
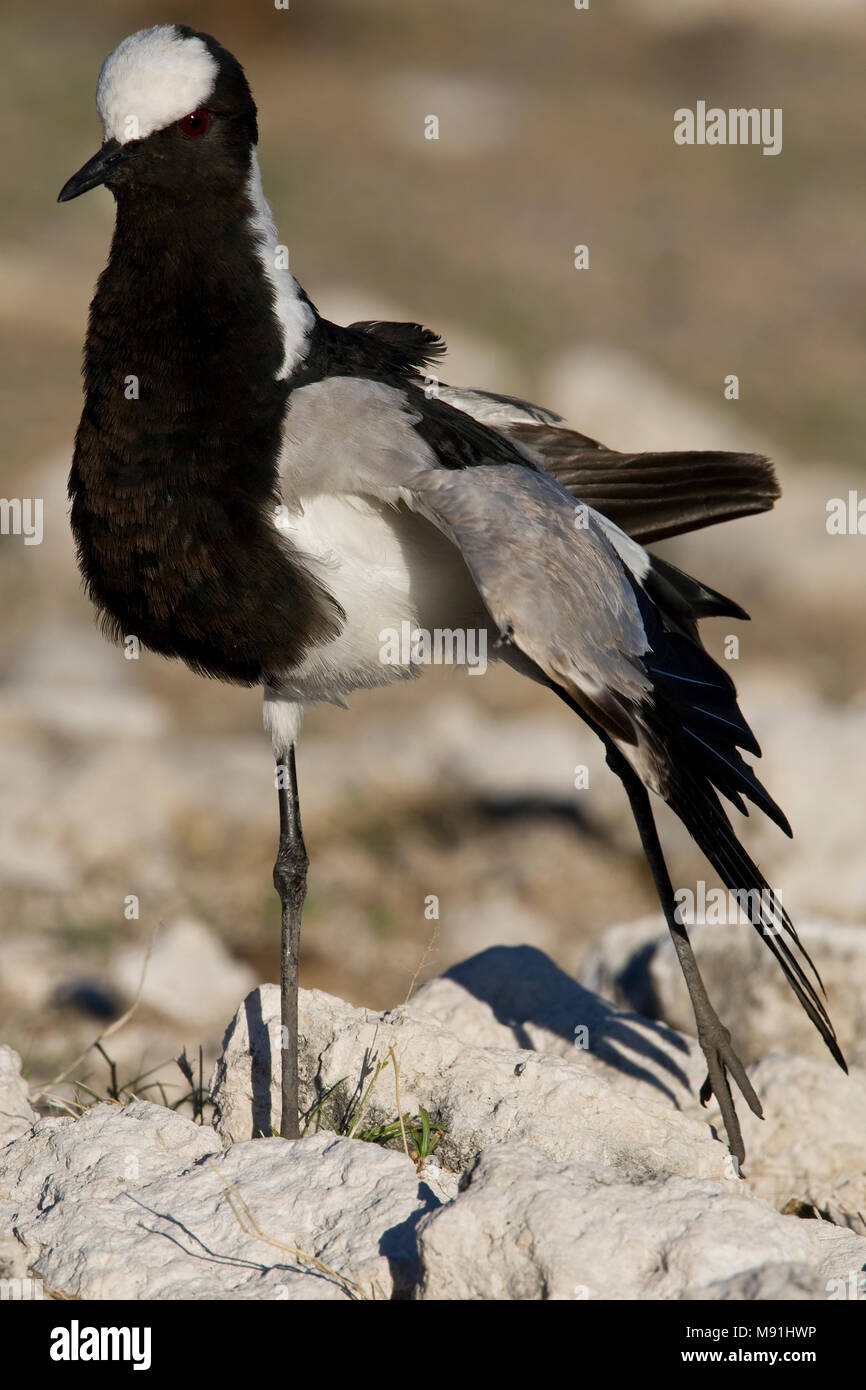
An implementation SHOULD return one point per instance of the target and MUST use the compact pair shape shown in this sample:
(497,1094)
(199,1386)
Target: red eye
(196,123)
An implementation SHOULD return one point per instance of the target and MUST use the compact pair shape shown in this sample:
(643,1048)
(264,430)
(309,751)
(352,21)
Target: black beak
(94,172)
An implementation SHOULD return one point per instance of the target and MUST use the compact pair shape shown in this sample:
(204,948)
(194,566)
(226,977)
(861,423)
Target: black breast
(174,478)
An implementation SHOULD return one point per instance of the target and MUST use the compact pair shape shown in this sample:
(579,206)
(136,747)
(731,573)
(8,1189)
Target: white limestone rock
(139,1203)
(811,1146)
(482,1095)
(634,966)
(190,976)
(16,1113)
(527,1227)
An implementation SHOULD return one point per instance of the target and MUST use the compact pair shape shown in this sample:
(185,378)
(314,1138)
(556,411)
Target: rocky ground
(566,1157)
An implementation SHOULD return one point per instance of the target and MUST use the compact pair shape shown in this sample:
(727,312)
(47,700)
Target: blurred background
(135,780)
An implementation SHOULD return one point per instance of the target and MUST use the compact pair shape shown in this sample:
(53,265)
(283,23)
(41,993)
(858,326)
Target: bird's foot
(715,1041)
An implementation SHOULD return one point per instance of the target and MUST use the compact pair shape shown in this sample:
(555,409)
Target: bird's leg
(713,1036)
(290,881)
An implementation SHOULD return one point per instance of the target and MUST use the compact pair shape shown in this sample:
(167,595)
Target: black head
(179,119)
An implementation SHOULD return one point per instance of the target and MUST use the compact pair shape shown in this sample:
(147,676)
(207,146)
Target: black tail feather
(696,701)
(695,729)
(701,812)
(692,798)
(684,598)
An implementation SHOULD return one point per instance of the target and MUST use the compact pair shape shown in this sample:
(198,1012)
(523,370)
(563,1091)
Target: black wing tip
(698,807)
(693,710)
(837,1055)
(774,811)
(698,599)
(733,610)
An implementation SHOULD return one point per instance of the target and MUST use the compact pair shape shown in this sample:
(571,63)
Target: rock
(576,1231)
(808,1148)
(190,976)
(31,864)
(634,965)
(15,1263)
(562,1172)
(137,1202)
(811,1147)
(518,997)
(493,920)
(527,756)
(71,682)
(820,875)
(16,1113)
(482,1095)
(97,1154)
(771,1282)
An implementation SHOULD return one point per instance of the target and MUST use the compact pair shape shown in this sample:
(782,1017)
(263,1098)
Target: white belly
(385,566)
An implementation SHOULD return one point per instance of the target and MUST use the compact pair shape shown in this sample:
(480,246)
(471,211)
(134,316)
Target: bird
(261,493)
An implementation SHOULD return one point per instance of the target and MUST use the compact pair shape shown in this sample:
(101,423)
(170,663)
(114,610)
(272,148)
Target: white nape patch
(294,313)
(152,79)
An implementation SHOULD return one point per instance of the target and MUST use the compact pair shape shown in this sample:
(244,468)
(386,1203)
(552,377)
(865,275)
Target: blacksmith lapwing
(262,493)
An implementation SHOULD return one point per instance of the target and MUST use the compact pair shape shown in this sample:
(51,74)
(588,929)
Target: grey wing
(562,583)
(554,578)
(649,495)
(612,629)
(615,630)
(547,570)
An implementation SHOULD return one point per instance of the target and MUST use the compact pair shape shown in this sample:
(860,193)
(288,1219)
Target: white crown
(152,79)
